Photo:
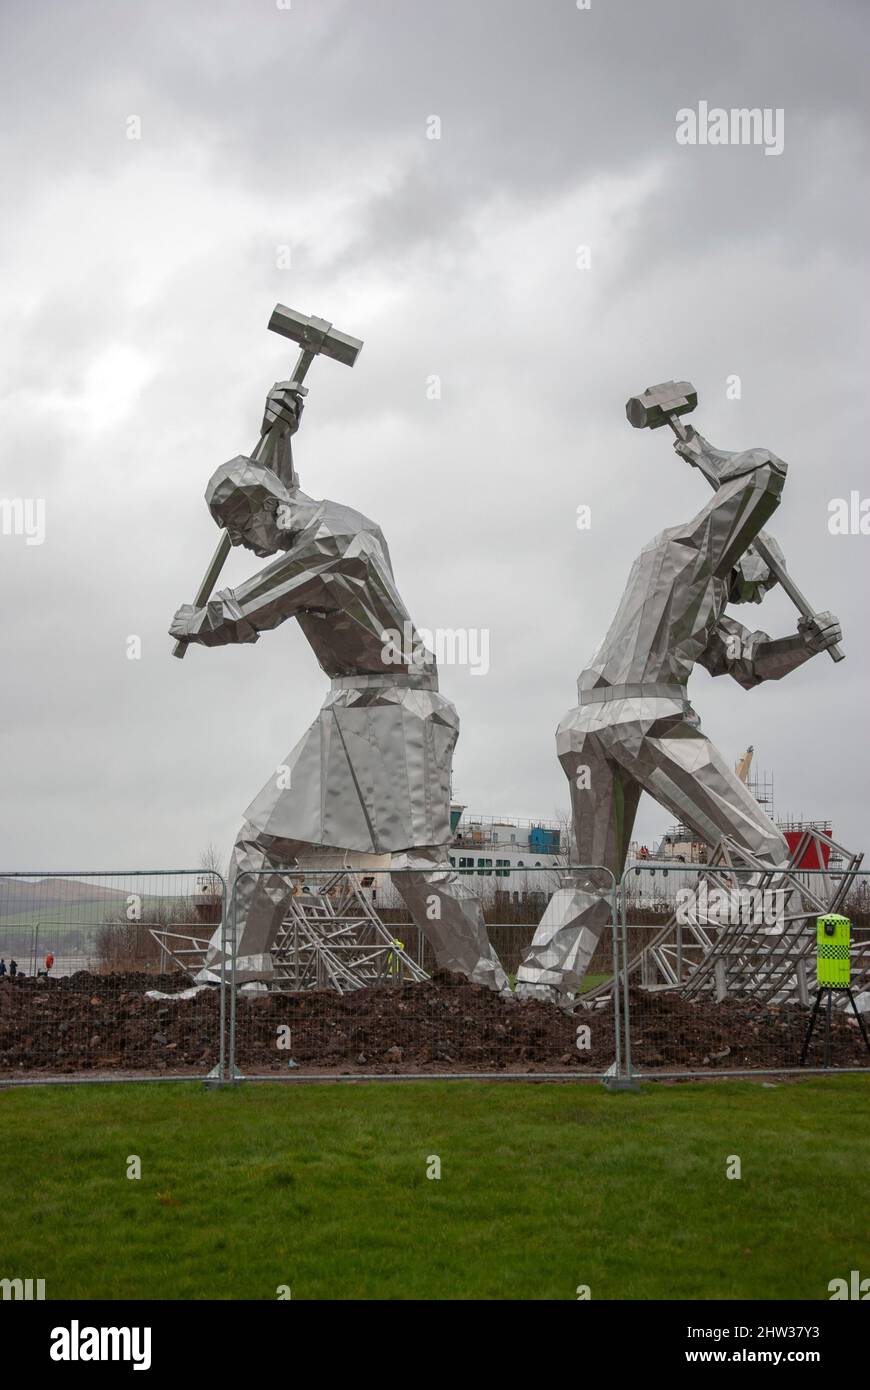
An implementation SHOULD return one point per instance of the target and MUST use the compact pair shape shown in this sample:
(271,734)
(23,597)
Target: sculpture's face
(247,498)
(256,530)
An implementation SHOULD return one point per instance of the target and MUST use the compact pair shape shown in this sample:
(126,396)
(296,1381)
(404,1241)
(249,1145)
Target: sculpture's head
(247,498)
(752,577)
(257,510)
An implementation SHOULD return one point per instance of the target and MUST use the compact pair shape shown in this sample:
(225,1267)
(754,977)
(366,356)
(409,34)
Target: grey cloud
(729,261)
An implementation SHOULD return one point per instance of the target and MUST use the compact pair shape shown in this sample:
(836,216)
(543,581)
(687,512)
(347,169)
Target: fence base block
(621,1083)
(214,1081)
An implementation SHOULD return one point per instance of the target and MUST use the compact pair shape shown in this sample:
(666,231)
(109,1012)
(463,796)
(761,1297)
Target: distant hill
(25,901)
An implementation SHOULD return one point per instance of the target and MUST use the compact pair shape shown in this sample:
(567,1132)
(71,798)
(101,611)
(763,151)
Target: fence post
(226,1072)
(623,1078)
(614,992)
(233,1074)
(222,1014)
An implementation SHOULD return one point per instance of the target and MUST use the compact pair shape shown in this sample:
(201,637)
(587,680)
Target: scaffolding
(702,956)
(332,938)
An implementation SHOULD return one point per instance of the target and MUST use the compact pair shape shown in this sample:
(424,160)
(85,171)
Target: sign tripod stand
(834,977)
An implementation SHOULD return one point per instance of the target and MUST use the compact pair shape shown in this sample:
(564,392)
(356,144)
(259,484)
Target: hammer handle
(300,371)
(800,602)
(783,577)
(218,560)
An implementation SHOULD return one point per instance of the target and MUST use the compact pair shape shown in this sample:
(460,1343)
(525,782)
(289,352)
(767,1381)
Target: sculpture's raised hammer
(315,336)
(663,405)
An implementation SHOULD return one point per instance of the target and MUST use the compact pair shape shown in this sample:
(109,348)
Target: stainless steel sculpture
(372,774)
(634,728)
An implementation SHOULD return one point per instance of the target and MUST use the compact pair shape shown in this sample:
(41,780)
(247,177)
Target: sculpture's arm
(748,489)
(704,456)
(753,657)
(297,581)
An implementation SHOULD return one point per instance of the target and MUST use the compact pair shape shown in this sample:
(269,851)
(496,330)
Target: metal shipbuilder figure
(372,774)
(634,729)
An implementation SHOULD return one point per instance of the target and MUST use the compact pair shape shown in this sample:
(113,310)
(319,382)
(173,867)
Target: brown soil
(672,1033)
(102,1024)
(86,1022)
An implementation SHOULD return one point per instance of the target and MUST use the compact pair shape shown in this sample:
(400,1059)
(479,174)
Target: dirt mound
(87,1022)
(671,1033)
(443,1024)
(103,1023)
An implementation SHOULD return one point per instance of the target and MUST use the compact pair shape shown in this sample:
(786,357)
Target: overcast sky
(138,279)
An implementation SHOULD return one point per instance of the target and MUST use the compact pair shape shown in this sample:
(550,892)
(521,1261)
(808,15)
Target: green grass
(592,982)
(543,1187)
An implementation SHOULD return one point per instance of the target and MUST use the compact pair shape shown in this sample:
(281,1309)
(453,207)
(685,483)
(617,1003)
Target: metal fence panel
(93,979)
(348,998)
(720,972)
(98,977)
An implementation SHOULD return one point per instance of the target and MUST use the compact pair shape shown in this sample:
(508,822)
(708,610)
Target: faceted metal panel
(634,728)
(372,774)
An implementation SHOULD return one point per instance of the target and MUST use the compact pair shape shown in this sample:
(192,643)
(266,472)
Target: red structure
(810,857)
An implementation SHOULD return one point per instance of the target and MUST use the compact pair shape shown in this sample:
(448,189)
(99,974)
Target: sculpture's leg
(604,801)
(679,766)
(449,914)
(685,772)
(256,904)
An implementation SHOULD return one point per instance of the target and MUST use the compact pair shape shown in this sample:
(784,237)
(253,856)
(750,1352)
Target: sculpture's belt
(649,690)
(418,681)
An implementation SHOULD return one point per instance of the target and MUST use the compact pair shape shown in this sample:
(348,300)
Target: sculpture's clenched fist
(820,632)
(283,404)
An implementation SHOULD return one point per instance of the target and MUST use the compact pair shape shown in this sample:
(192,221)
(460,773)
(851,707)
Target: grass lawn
(543,1187)
(592,982)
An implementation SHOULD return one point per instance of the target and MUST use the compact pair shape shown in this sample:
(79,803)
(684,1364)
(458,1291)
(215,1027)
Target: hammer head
(651,410)
(315,335)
